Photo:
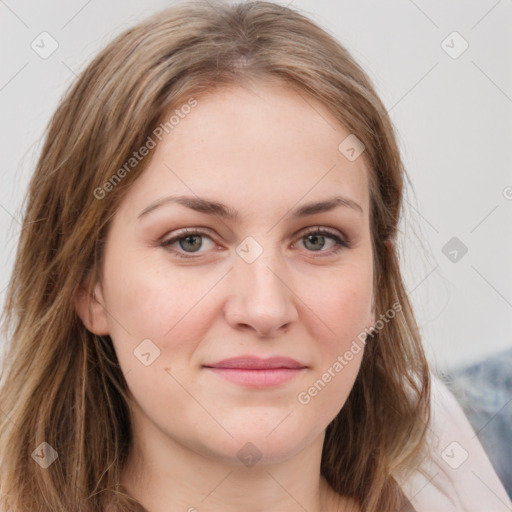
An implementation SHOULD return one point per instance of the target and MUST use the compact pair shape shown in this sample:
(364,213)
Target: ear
(89,307)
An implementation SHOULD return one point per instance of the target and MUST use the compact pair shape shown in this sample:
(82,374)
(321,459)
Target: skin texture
(262,152)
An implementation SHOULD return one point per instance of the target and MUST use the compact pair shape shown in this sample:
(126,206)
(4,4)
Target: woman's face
(246,282)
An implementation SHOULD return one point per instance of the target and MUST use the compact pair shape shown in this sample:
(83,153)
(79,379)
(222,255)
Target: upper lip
(257,363)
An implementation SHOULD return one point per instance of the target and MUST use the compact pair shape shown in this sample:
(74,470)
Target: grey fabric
(484,390)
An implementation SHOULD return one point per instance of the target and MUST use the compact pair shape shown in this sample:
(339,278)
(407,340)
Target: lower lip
(258,378)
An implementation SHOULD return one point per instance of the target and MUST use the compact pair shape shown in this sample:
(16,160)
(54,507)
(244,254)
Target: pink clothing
(458,476)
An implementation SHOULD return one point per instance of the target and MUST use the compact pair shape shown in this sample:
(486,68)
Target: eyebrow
(220,209)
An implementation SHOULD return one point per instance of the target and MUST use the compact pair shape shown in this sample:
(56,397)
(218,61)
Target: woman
(207,310)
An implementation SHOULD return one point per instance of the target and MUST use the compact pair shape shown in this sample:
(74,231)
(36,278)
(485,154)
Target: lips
(250,371)
(257,363)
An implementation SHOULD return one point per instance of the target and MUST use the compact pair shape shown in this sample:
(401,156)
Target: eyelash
(340,243)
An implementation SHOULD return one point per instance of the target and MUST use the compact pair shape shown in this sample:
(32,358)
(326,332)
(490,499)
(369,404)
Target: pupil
(314,238)
(191,237)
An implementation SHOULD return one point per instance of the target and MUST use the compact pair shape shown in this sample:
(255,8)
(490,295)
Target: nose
(261,296)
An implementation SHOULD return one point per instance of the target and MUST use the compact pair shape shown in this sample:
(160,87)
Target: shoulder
(457,474)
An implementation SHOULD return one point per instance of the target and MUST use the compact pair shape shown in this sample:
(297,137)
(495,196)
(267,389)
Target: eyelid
(341,241)
(182,233)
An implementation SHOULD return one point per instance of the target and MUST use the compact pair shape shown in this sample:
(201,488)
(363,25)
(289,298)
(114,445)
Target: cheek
(341,307)
(350,312)
(341,303)
(167,308)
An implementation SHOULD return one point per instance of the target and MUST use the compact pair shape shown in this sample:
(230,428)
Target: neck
(165,475)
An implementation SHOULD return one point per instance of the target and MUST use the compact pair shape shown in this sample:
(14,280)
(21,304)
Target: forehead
(266,145)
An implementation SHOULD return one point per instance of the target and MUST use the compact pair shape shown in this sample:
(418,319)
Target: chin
(251,446)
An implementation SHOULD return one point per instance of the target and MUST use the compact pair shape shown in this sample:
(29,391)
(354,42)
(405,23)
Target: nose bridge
(262,298)
(263,270)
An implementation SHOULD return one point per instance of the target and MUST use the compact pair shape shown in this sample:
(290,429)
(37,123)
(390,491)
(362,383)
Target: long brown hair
(61,384)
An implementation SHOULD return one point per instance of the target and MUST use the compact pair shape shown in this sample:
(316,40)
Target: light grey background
(453,116)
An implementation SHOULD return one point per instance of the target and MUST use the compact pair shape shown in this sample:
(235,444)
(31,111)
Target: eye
(315,240)
(189,241)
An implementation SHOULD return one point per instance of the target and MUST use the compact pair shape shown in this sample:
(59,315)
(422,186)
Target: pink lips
(254,371)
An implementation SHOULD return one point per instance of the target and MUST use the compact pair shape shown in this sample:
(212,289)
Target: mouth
(257,372)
